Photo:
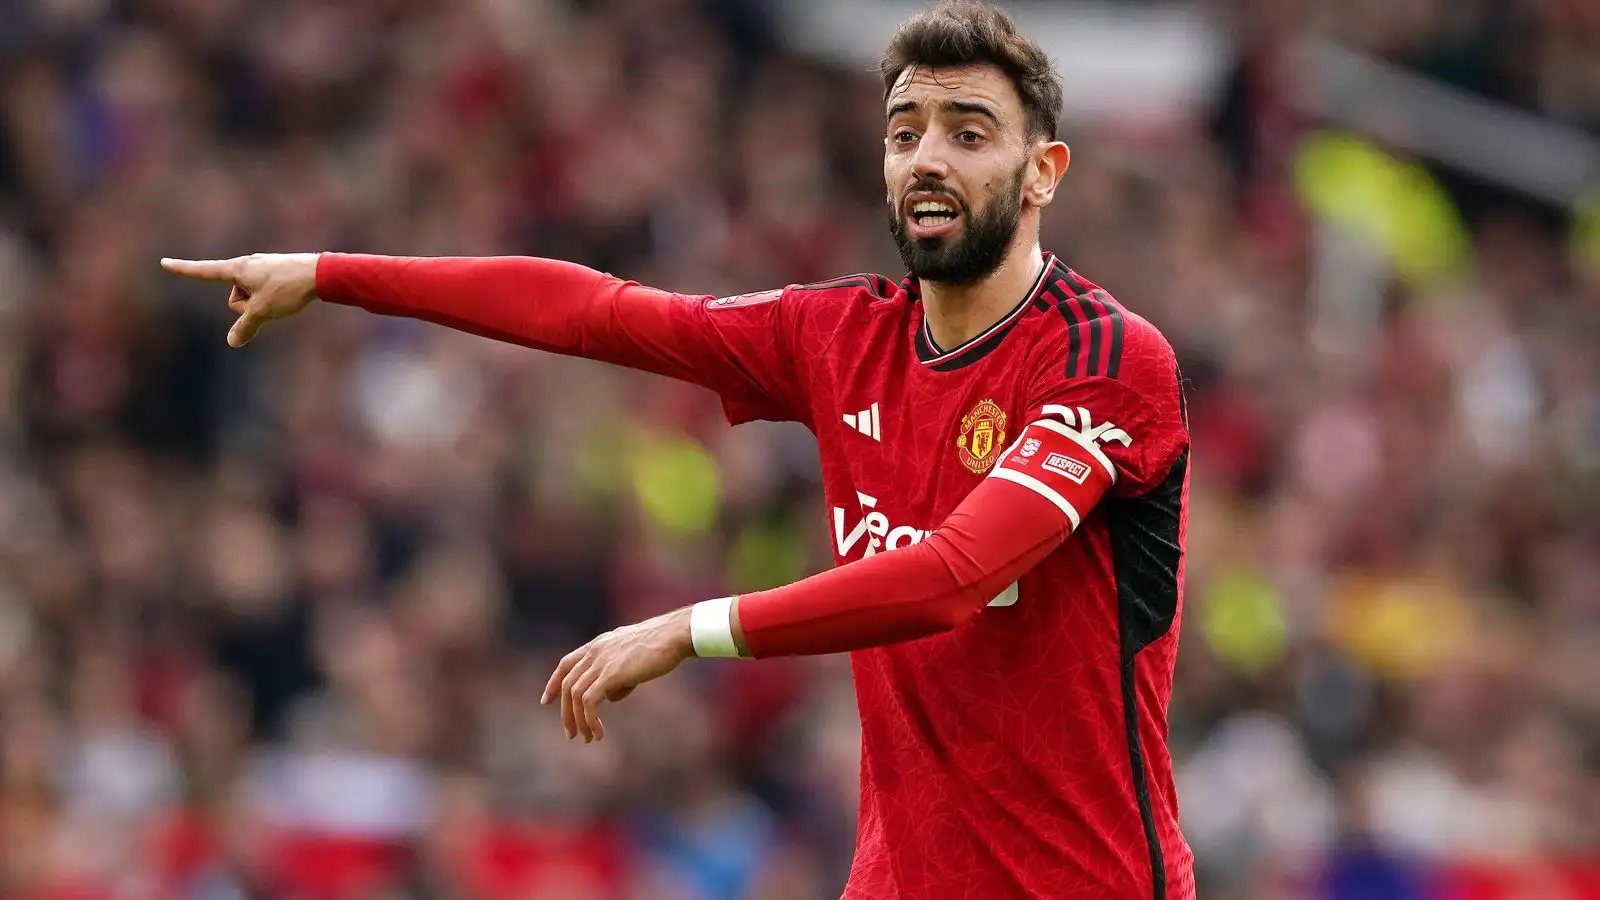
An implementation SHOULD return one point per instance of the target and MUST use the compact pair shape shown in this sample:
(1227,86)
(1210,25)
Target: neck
(958,313)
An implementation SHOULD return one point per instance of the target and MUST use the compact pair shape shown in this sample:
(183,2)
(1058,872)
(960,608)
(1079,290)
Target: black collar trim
(981,345)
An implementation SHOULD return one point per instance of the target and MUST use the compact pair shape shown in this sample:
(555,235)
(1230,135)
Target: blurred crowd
(274,622)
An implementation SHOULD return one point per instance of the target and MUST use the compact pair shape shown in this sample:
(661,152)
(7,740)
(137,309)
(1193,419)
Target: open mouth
(933,212)
(931,215)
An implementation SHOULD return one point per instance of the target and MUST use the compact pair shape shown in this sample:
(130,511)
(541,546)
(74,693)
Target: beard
(970,256)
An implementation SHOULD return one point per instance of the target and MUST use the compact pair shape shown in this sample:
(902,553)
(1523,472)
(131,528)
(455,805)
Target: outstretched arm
(545,304)
(736,347)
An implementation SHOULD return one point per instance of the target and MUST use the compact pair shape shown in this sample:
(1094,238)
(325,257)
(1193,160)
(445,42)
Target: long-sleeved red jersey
(1012,681)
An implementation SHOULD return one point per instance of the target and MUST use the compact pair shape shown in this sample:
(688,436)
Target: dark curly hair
(971,32)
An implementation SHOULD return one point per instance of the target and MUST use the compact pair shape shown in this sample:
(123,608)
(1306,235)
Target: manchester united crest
(983,433)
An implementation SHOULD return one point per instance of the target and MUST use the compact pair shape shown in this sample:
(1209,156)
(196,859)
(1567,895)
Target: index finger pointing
(208,269)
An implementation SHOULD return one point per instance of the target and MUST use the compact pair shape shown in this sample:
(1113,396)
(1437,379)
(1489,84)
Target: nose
(930,161)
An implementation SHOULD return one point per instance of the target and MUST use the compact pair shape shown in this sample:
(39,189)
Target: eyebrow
(959,107)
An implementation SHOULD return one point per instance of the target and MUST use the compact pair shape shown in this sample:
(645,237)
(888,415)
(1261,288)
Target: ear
(1050,161)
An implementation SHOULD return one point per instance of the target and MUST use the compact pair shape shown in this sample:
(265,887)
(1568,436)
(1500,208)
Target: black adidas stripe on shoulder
(1065,307)
(860,281)
(878,285)
(1092,317)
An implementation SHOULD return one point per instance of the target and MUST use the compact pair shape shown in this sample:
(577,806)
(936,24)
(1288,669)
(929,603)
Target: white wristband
(711,629)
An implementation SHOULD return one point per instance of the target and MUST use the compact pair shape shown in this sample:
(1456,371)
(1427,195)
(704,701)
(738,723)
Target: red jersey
(1022,754)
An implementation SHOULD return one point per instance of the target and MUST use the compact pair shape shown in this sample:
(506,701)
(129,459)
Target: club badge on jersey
(983,436)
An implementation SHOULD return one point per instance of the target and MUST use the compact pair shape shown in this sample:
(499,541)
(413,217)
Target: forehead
(930,87)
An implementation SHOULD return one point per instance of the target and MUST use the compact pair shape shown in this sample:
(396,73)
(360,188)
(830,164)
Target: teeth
(931,206)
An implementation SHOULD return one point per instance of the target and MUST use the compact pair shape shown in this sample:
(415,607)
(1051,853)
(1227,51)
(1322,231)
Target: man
(1012,682)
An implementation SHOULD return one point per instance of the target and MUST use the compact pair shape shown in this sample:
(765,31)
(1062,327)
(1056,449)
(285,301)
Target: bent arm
(1037,494)
(544,304)
(999,532)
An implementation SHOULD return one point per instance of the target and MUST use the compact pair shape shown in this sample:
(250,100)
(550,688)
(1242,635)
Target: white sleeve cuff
(1042,489)
(711,629)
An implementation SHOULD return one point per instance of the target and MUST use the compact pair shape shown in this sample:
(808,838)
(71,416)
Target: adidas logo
(866,422)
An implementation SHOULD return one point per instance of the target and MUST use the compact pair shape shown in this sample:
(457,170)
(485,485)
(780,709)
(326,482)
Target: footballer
(1004,452)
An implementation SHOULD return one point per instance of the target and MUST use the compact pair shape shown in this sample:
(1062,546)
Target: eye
(904,136)
(969,137)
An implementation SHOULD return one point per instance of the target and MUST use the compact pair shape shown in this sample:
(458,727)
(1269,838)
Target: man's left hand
(612,665)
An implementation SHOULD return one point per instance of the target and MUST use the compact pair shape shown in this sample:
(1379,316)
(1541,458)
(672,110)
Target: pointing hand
(266,286)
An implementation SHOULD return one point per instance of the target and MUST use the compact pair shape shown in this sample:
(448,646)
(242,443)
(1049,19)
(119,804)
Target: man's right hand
(266,286)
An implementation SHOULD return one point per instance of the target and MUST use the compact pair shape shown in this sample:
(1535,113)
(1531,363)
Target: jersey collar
(982,344)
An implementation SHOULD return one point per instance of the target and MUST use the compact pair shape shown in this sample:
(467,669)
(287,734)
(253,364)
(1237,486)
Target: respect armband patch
(1059,465)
